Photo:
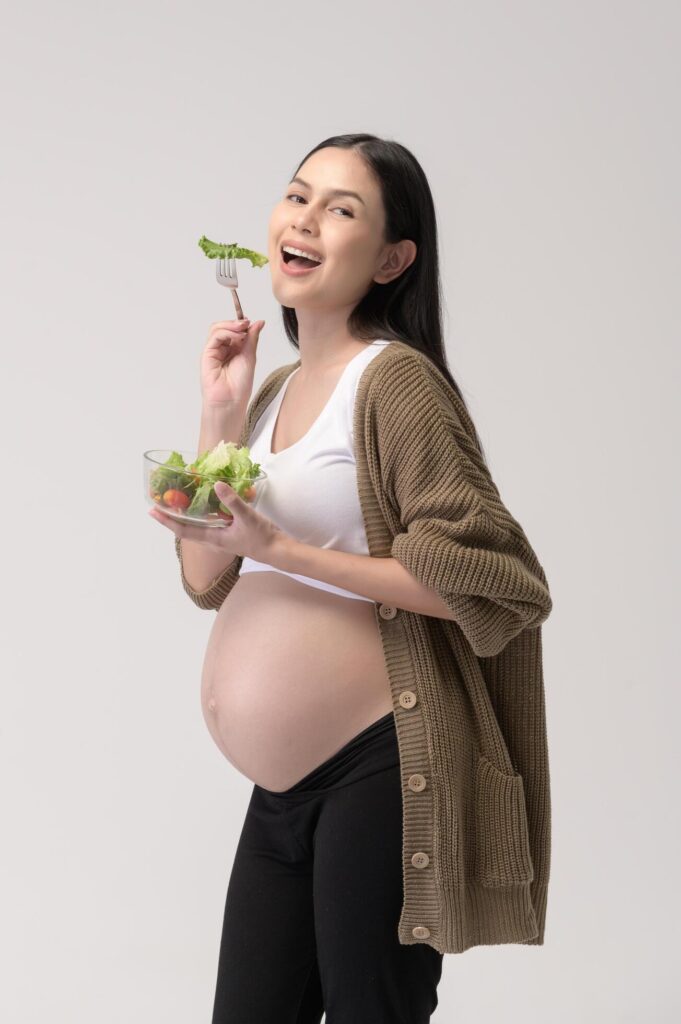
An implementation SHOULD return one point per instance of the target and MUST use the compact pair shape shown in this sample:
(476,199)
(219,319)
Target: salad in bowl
(182,484)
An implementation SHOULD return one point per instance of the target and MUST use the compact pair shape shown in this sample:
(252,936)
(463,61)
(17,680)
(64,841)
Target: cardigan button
(420,932)
(407,698)
(386,611)
(416,782)
(420,860)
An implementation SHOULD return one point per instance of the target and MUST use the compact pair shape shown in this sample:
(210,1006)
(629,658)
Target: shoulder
(407,407)
(398,358)
(403,385)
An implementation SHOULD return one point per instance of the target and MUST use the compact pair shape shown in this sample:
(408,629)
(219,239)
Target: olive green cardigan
(468,693)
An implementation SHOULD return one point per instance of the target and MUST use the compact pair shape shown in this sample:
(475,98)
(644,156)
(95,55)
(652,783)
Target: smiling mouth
(302,262)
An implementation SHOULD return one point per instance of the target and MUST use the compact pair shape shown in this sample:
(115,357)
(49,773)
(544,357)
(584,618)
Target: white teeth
(301,252)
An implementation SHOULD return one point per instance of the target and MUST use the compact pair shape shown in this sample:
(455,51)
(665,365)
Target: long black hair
(408,308)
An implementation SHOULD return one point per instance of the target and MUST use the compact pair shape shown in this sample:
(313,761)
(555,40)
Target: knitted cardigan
(467,693)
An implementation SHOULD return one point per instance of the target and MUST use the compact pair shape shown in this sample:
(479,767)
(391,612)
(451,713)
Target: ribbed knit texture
(468,693)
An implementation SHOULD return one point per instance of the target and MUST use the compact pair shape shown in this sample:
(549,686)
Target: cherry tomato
(176,499)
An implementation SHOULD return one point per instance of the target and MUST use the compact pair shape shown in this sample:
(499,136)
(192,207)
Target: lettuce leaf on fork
(231,251)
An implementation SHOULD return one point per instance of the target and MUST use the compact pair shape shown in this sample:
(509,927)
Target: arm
(220,572)
(207,575)
(456,537)
(381,579)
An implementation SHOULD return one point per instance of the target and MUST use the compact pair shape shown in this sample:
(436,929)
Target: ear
(397,259)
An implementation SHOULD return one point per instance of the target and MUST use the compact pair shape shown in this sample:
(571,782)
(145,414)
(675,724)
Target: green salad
(231,251)
(189,488)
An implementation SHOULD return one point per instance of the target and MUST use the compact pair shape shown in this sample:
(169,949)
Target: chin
(282,295)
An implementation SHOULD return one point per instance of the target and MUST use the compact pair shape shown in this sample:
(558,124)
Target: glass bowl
(189,496)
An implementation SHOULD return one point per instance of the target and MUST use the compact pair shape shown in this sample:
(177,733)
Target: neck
(324,342)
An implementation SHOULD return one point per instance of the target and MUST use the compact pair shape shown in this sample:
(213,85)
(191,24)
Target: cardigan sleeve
(456,535)
(214,594)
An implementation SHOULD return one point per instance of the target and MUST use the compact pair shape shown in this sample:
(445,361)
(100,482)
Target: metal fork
(229,279)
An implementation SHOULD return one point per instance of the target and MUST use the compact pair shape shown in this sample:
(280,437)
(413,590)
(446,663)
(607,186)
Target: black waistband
(371,750)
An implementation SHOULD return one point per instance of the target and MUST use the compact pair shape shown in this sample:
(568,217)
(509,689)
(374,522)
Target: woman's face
(346,231)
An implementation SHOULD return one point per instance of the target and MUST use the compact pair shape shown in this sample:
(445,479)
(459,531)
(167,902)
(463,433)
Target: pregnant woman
(375,664)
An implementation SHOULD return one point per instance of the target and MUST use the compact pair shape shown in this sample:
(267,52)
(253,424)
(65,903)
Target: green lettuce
(170,476)
(223,462)
(231,251)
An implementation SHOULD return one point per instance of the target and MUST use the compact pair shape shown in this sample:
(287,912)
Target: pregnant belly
(291,674)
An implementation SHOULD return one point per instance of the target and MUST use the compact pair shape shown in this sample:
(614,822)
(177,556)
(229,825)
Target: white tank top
(311,487)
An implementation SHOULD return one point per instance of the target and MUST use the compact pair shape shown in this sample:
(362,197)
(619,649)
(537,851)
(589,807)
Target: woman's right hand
(228,363)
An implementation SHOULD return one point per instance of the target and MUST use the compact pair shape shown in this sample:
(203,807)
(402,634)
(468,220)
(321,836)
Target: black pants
(314,900)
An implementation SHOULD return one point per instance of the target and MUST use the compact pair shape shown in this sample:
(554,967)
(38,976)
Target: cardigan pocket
(502,842)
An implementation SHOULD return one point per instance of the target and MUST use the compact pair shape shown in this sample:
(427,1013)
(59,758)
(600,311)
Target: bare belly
(291,674)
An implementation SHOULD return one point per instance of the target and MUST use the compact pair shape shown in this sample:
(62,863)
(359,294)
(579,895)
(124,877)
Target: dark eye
(294,195)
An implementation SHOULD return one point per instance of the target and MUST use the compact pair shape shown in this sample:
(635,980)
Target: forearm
(201,563)
(381,579)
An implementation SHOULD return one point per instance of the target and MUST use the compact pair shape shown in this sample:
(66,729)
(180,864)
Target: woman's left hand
(249,534)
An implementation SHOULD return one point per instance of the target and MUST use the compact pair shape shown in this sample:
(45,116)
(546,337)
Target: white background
(550,136)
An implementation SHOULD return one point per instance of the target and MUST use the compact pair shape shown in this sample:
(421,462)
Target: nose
(304,219)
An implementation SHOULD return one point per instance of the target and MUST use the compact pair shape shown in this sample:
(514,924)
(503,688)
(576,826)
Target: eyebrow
(332,191)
